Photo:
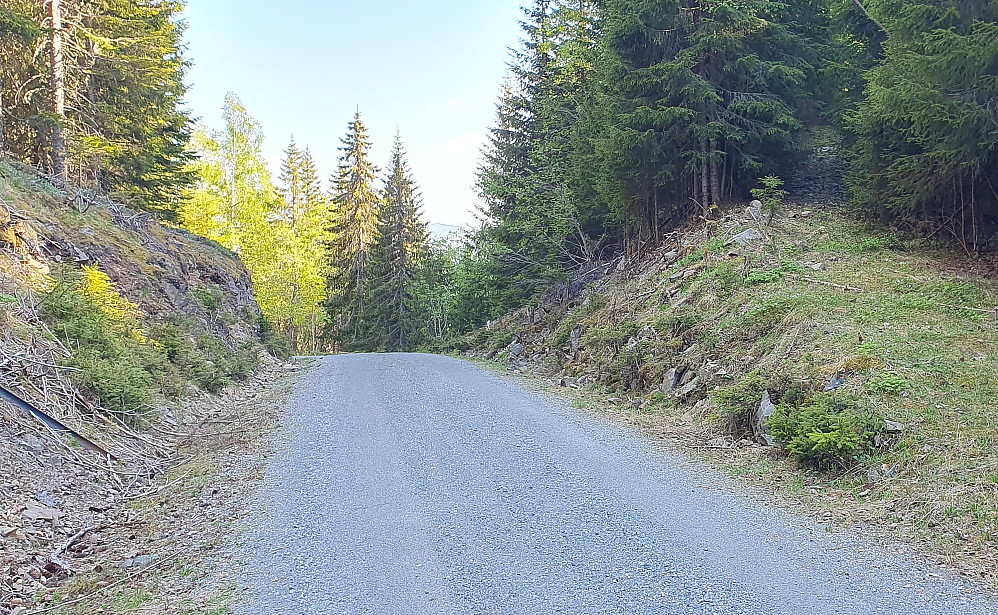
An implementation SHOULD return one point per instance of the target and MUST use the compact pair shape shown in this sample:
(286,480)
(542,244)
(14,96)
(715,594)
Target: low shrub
(114,357)
(826,431)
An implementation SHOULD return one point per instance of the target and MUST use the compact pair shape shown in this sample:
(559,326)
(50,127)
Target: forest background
(620,120)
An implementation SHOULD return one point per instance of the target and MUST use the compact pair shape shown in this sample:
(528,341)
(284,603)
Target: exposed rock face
(168,272)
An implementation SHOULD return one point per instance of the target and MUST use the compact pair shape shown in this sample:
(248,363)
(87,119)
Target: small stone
(719,442)
(670,381)
(139,561)
(819,266)
(516,350)
(873,476)
(893,427)
(688,388)
(836,382)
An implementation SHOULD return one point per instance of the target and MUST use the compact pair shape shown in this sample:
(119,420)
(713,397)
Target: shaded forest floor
(684,343)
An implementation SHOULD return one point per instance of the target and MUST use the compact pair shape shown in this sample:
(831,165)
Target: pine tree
(112,116)
(395,259)
(132,129)
(696,101)
(534,221)
(354,231)
(15,29)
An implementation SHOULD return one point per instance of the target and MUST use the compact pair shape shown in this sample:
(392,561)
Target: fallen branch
(824,283)
(55,557)
(971,309)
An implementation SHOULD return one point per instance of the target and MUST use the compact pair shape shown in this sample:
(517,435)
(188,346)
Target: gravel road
(409,484)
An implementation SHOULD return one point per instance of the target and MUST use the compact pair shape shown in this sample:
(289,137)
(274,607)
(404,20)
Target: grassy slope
(912,328)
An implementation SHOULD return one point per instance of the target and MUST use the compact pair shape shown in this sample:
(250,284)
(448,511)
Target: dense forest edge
(620,121)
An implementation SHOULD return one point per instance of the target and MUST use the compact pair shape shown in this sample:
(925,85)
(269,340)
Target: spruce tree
(697,100)
(535,224)
(396,256)
(927,144)
(112,116)
(354,231)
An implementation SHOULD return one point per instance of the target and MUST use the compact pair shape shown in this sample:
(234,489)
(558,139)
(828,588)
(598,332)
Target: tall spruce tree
(535,225)
(396,257)
(696,100)
(354,232)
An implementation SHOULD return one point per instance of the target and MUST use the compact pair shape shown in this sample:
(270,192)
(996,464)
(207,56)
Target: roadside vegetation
(876,349)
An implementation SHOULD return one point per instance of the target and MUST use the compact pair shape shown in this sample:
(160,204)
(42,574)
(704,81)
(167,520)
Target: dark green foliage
(395,258)
(927,135)
(826,431)
(694,102)
(125,70)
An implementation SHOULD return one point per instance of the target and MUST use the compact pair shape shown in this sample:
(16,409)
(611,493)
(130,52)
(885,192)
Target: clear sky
(431,69)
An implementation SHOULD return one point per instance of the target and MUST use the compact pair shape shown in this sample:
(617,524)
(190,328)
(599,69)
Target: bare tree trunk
(58,86)
(870,17)
(724,176)
(715,184)
(656,234)
(704,188)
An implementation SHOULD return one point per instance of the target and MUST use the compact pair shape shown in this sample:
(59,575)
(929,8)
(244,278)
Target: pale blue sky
(430,68)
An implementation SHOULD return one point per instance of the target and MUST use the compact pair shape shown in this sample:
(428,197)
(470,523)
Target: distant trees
(354,232)
(342,271)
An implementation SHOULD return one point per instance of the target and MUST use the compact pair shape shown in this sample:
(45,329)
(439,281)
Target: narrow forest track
(423,484)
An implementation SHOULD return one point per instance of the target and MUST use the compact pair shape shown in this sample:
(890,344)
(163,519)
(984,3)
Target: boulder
(746,237)
(762,415)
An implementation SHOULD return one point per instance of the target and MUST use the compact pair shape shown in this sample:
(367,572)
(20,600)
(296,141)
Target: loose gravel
(423,484)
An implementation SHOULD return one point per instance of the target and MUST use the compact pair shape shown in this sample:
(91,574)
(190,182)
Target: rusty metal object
(51,423)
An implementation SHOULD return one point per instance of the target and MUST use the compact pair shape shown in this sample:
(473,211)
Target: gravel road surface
(408,484)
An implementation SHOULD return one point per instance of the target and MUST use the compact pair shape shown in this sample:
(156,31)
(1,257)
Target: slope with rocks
(848,368)
(115,330)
